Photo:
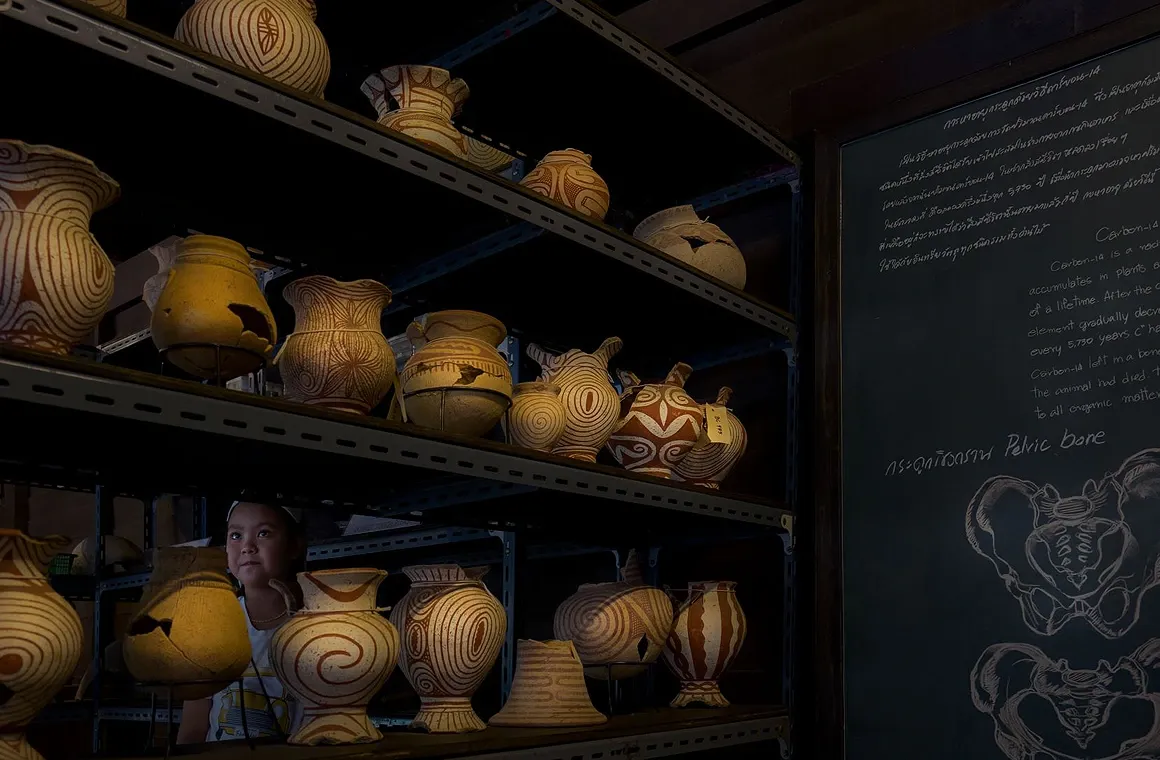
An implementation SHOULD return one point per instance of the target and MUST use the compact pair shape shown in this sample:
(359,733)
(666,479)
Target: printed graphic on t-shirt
(252,706)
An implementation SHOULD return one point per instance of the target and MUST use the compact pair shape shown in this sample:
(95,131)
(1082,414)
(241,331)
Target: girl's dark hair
(295,530)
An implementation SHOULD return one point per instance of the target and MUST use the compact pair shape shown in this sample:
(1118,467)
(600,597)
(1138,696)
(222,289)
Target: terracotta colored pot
(706,637)
(591,406)
(40,637)
(56,278)
(567,177)
(538,416)
(548,689)
(335,654)
(682,234)
(658,426)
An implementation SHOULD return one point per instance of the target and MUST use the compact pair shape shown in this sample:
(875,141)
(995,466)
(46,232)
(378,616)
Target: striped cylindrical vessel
(548,689)
(40,638)
(452,629)
(706,638)
(335,654)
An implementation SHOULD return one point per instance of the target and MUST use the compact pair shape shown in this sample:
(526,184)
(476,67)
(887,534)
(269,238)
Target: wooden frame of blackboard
(828,683)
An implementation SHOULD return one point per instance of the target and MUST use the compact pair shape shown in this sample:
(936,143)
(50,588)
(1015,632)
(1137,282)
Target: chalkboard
(1001,424)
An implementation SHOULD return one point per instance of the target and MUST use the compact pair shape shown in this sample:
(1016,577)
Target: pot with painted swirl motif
(591,408)
(659,424)
(567,177)
(452,629)
(335,654)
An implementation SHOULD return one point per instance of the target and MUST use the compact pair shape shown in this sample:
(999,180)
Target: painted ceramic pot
(211,318)
(680,233)
(591,405)
(452,629)
(567,177)
(706,637)
(618,628)
(710,462)
(548,689)
(40,637)
(115,7)
(337,356)
(121,555)
(427,98)
(659,424)
(538,416)
(166,254)
(456,380)
(55,278)
(335,654)
(276,38)
(190,633)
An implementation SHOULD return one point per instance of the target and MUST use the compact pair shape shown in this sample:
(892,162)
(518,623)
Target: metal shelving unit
(486,488)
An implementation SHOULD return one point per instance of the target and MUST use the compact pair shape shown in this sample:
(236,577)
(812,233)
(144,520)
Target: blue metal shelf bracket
(508,654)
(494,36)
(746,188)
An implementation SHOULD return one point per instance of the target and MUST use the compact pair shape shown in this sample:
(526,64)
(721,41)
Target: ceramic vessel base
(584,454)
(707,693)
(35,341)
(16,747)
(656,472)
(447,715)
(335,725)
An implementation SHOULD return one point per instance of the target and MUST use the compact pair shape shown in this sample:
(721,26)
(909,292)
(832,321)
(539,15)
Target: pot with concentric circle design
(452,629)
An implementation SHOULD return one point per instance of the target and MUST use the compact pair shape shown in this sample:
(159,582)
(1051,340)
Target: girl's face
(258,545)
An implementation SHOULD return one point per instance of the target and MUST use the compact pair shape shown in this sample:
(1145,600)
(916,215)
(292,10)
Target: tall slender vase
(55,280)
(337,356)
(706,637)
(591,405)
(40,638)
(452,629)
(335,654)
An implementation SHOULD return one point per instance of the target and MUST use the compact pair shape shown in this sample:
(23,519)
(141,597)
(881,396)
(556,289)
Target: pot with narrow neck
(707,635)
(335,654)
(659,423)
(591,405)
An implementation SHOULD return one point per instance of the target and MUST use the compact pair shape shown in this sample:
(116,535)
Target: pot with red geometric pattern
(659,423)
(708,633)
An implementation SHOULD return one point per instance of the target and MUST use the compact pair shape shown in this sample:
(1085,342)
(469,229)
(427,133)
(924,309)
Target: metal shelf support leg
(508,654)
(104,526)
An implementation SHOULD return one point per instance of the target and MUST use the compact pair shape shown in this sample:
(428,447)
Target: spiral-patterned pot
(337,356)
(335,654)
(55,281)
(591,406)
(658,426)
(710,462)
(40,638)
(277,38)
(617,628)
(567,177)
(538,416)
(452,629)
(708,634)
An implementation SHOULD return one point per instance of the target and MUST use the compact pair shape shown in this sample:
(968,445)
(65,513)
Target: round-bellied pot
(567,177)
(538,416)
(708,463)
(591,406)
(680,233)
(658,426)
(706,637)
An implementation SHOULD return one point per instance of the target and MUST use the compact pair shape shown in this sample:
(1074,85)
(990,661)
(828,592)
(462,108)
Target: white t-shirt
(225,715)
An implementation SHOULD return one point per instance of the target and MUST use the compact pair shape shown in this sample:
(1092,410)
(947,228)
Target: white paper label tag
(717,424)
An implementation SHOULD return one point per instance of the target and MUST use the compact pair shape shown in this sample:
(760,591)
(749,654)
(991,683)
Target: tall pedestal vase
(335,654)
(55,281)
(706,637)
(40,638)
(452,629)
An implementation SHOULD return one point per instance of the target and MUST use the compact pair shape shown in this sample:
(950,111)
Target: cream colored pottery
(591,404)
(166,254)
(55,281)
(191,632)
(115,7)
(118,551)
(212,298)
(659,424)
(538,416)
(337,356)
(276,38)
(567,177)
(706,637)
(452,629)
(40,638)
(427,98)
(709,463)
(335,654)
(548,689)
(619,627)
(456,380)
(680,233)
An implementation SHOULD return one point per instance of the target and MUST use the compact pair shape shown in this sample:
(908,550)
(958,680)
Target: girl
(262,543)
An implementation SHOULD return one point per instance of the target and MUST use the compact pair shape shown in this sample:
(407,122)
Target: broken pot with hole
(190,634)
(211,318)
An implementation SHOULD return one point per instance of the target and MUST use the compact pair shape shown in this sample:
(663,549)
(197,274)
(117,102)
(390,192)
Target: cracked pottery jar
(548,689)
(190,633)
(276,38)
(335,654)
(538,416)
(708,463)
(680,233)
(706,637)
(211,318)
(567,177)
(456,381)
(591,405)
(55,280)
(659,424)
(451,629)
(40,638)
(337,357)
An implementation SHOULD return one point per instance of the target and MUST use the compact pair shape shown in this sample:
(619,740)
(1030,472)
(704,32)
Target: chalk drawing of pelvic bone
(1091,556)
(1118,707)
